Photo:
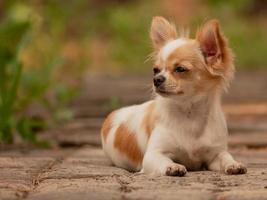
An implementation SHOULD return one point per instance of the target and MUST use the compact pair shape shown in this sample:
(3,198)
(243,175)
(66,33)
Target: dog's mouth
(168,93)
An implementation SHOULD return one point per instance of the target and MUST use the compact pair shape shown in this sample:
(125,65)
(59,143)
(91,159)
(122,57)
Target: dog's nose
(158,80)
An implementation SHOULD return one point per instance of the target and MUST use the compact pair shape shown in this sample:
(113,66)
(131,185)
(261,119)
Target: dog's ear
(214,45)
(161,31)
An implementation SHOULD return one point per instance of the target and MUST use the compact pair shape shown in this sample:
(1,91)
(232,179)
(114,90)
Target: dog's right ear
(161,31)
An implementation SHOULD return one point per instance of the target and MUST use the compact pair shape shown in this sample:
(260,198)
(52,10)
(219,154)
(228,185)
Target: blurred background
(49,49)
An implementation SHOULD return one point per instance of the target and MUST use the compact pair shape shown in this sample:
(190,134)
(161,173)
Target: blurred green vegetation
(245,24)
(31,98)
(48,47)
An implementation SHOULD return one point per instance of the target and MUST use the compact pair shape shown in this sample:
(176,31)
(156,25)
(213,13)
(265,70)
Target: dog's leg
(160,164)
(225,162)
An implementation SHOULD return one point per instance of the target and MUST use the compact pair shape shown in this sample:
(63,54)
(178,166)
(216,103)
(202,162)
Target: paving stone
(19,170)
(85,173)
(88,174)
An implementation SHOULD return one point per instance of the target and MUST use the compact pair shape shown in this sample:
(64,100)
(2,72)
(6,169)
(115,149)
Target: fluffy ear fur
(161,31)
(214,46)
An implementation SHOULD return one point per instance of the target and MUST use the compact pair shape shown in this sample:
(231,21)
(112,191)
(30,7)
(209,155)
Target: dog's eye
(156,70)
(180,69)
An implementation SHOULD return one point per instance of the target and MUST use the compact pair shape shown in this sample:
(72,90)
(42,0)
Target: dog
(183,128)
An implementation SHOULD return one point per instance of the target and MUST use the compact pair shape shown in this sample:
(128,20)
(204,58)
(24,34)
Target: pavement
(76,167)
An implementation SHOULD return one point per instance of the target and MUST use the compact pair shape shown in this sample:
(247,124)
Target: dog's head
(187,67)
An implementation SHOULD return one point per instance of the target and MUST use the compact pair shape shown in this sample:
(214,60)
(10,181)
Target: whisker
(151,56)
(150,90)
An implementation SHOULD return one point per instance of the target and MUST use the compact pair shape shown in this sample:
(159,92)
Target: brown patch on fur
(107,125)
(126,142)
(148,123)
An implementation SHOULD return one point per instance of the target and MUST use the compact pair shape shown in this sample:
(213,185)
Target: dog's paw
(237,168)
(176,170)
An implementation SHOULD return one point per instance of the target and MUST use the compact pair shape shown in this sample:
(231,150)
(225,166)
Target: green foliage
(26,128)
(21,87)
(114,35)
(130,43)
(12,39)
(249,44)
(246,32)
(124,29)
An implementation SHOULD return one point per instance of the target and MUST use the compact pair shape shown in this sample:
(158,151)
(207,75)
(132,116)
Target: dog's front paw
(237,168)
(176,170)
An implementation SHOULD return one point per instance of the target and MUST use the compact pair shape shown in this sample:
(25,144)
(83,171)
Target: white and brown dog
(184,127)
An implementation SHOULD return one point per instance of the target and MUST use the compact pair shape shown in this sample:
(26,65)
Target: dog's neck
(189,108)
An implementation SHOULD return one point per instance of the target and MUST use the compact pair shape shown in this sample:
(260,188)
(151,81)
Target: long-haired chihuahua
(184,127)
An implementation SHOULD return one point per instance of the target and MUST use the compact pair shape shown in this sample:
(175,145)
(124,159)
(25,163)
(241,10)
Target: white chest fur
(190,134)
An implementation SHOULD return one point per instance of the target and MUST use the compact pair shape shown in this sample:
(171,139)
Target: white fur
(132,116)
(116,157)
(189,133)
(193,135)
(170,47)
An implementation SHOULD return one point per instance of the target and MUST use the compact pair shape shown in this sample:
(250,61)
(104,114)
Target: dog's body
(184,127)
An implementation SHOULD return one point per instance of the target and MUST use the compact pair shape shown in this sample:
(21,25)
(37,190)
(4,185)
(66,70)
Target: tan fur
(221,63)
(149,119)
(126,143)
(189,57)
(161,31)
(208,59)
(107,125)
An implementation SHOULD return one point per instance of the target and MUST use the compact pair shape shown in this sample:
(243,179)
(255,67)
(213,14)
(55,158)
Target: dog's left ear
(214,46)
